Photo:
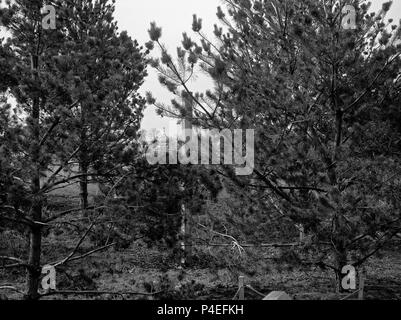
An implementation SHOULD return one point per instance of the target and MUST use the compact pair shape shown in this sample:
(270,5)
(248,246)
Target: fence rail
(240,294)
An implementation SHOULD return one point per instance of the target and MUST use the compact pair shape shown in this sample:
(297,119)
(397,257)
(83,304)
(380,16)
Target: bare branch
(69,257)
(86,254)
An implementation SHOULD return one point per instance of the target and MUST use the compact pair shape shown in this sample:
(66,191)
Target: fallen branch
(98,293)
(12,289)
(234,244)
(19,263)
(11,259)
(256,245)
(262,245)
(16,265)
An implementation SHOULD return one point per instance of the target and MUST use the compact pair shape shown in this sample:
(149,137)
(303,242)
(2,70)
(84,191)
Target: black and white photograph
(214,152)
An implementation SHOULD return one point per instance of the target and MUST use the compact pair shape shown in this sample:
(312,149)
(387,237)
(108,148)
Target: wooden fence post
(301,230)
(241,295)
(301,233)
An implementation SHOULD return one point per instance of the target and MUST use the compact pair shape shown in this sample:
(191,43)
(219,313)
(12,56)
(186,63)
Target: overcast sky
(175,17)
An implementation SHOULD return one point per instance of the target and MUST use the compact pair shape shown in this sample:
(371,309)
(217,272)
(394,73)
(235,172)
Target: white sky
(175,17)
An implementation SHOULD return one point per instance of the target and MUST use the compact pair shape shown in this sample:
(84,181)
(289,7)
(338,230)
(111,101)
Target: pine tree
(305,79)
(106,69)
(35,91)
(67,104)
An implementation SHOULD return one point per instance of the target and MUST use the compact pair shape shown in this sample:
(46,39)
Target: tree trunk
(35,236)
(188,229)
(83,183)
(183,236)
(186,247)
(340,262)
(83,162)
(34,269)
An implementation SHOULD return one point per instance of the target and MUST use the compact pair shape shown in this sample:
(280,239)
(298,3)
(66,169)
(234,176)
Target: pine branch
(55,124)
(174,69)
(59,169)
(371,84)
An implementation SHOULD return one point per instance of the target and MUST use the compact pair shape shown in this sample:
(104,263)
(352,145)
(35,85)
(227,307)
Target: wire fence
(360,292)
